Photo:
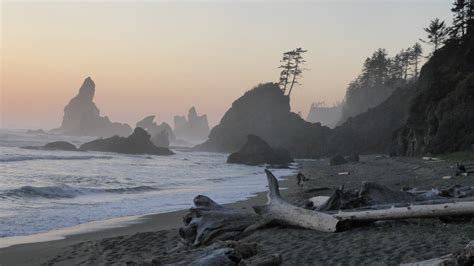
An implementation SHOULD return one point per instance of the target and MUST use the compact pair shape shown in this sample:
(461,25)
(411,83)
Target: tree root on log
(209,221)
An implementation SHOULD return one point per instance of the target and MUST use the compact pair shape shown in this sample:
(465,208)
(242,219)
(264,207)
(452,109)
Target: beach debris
(369,194)
(277,210)
(300,178)
(337,160)
(382,156)
(464,169)
(344,173)
(457,191)
(462,257)
(208,221)
(316,202)
(316,189)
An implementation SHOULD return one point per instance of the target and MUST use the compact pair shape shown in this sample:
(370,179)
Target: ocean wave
(19,158)
(64,191)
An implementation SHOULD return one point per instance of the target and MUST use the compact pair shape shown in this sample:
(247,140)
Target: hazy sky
(163,57)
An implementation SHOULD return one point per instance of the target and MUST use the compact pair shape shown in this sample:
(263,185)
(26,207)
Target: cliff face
(265,112)
(82,117)
(374,130)
(441,117)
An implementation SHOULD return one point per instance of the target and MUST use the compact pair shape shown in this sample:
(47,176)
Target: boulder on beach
(256,151)
(82,117)
(195,128)
(337,160)
(137,143)
(60,145)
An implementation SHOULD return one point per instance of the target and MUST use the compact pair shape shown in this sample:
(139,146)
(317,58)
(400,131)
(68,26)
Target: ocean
(42,191)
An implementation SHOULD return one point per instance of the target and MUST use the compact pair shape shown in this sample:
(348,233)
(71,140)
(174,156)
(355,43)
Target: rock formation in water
(441,116)
(326,115)
(195,128)
(54,146)
(256,151)
(60,145)
(157,131)
(265,111)
(161,139)
(82,117)
(137,143)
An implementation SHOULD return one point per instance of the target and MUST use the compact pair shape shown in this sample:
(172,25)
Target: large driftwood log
(209,221)
(456,209)
(279,211)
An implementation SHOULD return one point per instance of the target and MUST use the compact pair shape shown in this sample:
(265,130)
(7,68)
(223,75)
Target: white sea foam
(49,192)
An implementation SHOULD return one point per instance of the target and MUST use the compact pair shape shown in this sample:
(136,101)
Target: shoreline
(38,248)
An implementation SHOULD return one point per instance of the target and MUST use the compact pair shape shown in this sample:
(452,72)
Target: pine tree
(416,52)
(437,33)
(291,69)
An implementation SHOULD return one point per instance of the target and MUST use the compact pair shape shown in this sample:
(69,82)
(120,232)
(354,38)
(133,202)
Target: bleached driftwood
(414,211)
(279,211)
(209,221)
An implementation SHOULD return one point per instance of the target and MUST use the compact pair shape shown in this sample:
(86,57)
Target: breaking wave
(64,191)
(49,157)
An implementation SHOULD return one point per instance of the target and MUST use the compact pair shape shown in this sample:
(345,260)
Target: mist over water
(45,190)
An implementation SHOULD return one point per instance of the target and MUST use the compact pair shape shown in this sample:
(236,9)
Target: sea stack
(195,128)
(82,117)
(265,111)
(160,134)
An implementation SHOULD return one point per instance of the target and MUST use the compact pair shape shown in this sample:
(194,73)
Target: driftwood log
(456,209)
(277,210)
(209,221)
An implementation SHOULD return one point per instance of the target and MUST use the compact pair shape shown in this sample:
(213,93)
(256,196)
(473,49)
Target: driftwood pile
(208,222)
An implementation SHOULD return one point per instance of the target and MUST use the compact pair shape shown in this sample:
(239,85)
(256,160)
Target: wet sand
(381,243)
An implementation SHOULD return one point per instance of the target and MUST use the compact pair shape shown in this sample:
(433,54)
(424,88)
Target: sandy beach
(386,243)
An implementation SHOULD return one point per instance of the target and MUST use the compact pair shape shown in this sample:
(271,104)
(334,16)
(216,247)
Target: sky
(162,57)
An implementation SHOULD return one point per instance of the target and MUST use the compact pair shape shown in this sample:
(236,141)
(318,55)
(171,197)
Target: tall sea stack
(82,117)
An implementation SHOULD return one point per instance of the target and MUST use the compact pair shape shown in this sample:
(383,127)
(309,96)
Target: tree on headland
(291,69)
(416,53)
(460,9)
(287,66)
(437,33)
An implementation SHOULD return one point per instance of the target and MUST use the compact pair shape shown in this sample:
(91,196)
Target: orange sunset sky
(162,57)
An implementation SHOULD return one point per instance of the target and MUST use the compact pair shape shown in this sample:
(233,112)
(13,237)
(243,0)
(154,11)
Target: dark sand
(382,243)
